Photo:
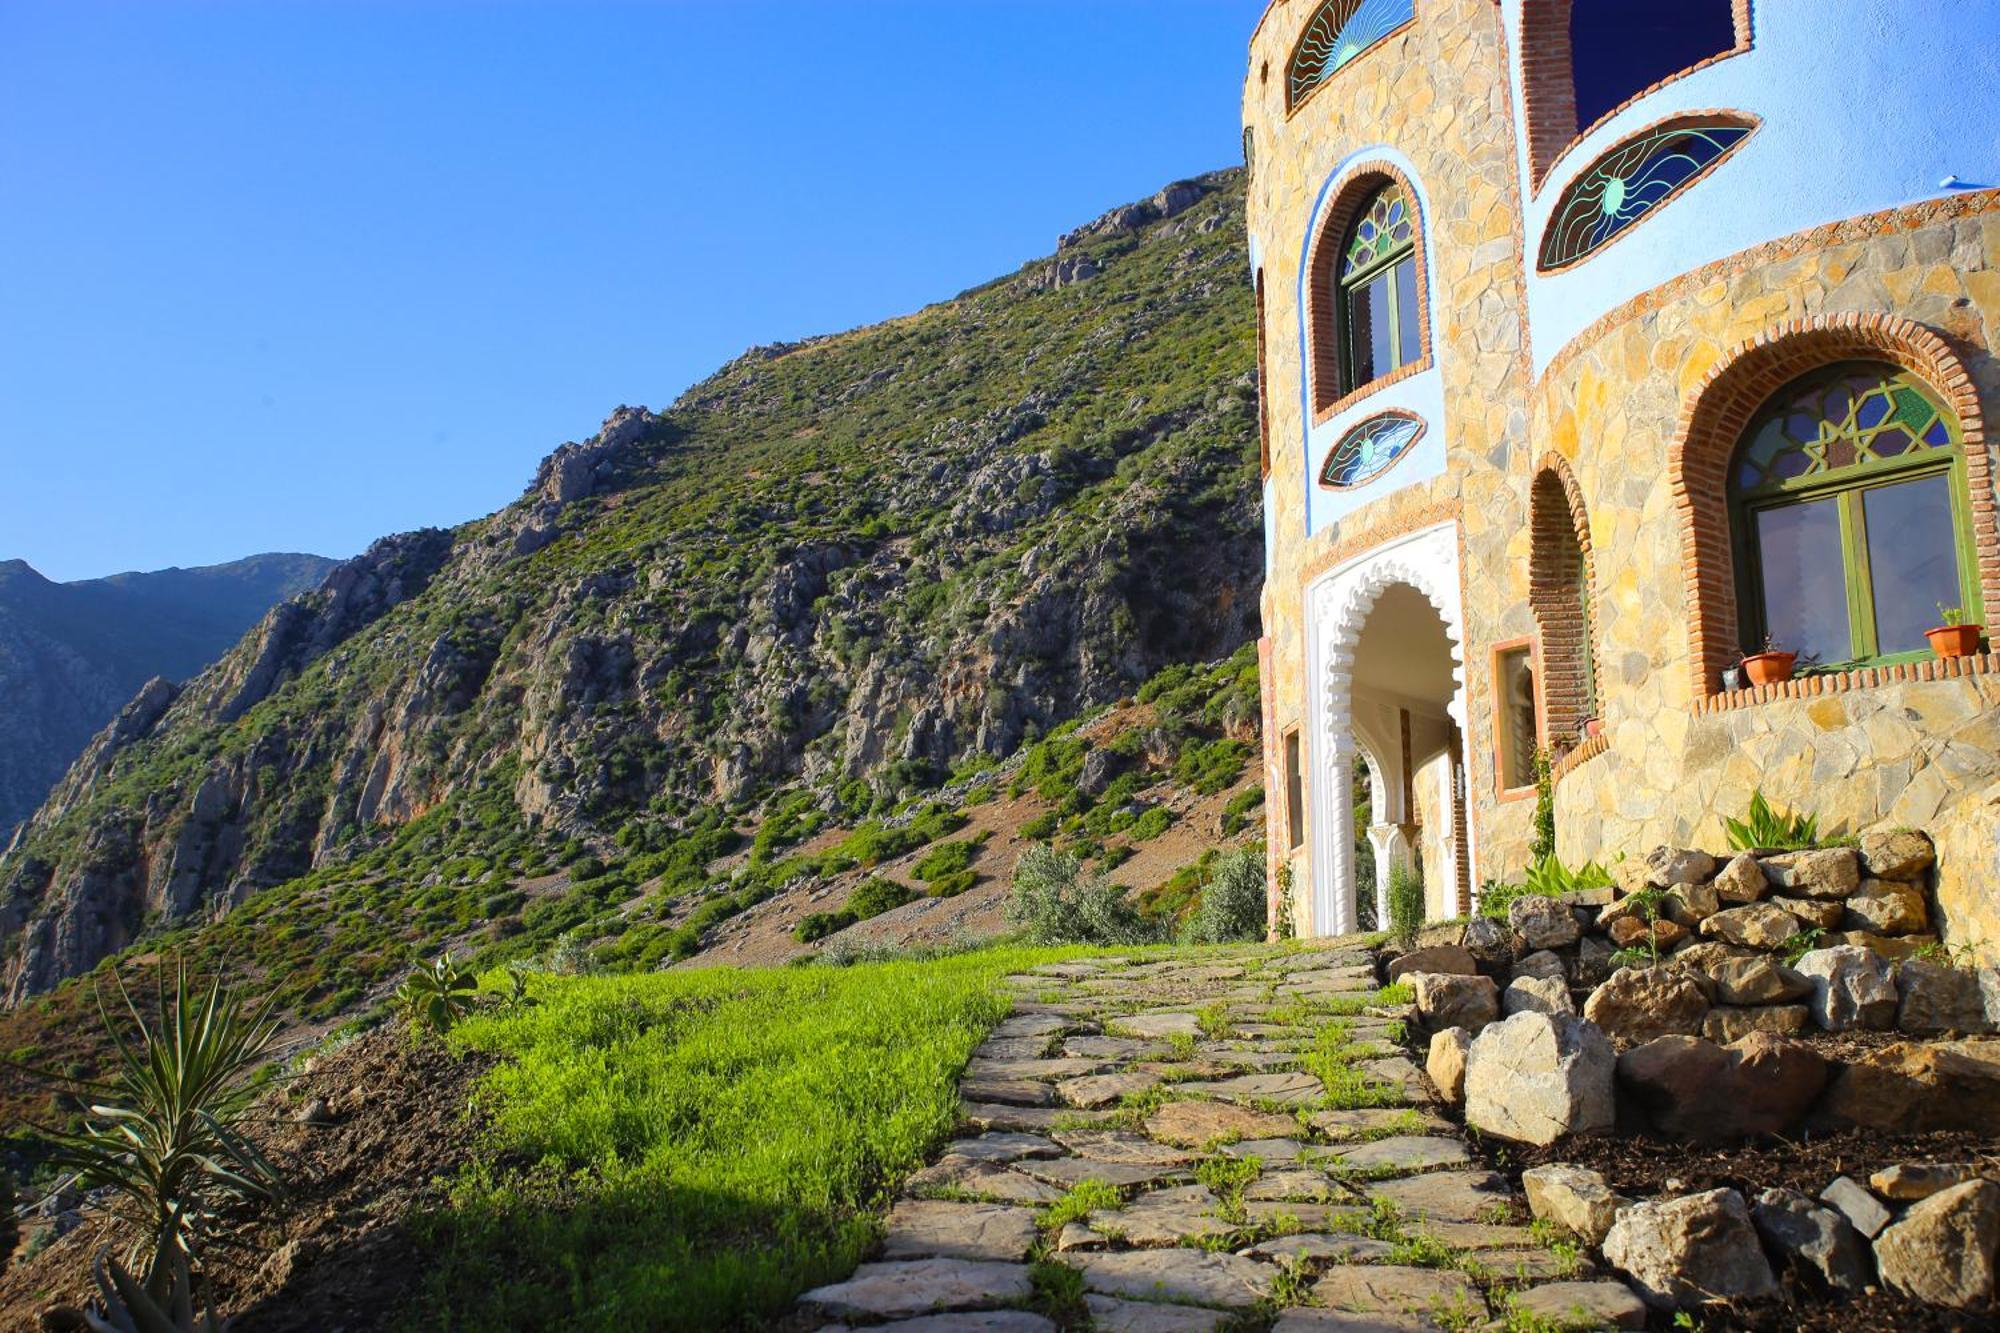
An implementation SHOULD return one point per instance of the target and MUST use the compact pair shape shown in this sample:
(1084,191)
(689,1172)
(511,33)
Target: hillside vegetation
(842,568)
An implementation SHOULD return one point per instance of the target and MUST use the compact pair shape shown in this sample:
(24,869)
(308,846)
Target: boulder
(1446,1063)
(1934,997)
(1826,872)
(1852,988)
(1907,1182)
(1813,1238)
(1593,961)
(1631,932)
(1753,925)
(1895,948)
(1915,1087)
(1569,1305)
(1667,867)
(1705,955)
(1639,1003)
(1543,964)
(1691,904)
(1756,980)
(1451,1000)
(1826,913)
(1539,995)
(1896,854)
(1853,1201)
(1573,1197)
(1887,908)
(1943,1251)
(1689,1251)
(1727,1023)
(1694,1089)
(1441,959)
(1741,881)
(1542,923)
(1488,941)
(1535,1077)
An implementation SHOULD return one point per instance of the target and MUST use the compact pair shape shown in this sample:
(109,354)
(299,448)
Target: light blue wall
(1866,105)
(1422,394)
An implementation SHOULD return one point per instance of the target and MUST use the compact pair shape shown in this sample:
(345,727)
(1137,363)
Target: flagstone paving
(1177,1145)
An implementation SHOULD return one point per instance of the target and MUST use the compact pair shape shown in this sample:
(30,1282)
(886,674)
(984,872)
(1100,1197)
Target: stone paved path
(1214,1141)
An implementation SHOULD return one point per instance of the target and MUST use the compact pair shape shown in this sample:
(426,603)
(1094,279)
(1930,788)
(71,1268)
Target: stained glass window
(1338,32)
(1370,449)
(1851,510)
(1632,180)
(1381,314)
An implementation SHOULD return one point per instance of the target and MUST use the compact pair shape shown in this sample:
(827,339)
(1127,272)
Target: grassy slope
(709,1143)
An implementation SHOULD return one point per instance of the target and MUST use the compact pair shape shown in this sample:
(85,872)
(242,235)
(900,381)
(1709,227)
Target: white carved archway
(1337,607)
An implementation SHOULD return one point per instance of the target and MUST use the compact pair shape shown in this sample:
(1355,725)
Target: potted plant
(1770,666)
(1593,726)
(1953,638)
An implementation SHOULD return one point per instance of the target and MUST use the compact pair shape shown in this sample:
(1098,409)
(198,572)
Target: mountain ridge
(845,565)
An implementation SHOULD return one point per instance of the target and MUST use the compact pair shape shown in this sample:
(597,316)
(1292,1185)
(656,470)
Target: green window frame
(1835,437)
(1378,286)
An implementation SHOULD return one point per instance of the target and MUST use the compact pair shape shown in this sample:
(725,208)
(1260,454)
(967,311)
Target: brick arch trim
(1720,408)
(1559,537)
(1323,343)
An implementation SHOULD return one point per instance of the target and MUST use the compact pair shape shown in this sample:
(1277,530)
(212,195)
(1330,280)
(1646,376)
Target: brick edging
(1861,678)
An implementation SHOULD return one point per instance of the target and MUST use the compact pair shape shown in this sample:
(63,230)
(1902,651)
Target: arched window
(1851,515)
(1620,48)
(1381,317)
(1336,33)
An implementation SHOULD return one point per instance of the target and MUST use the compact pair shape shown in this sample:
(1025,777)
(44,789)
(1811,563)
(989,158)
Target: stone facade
(1601,454)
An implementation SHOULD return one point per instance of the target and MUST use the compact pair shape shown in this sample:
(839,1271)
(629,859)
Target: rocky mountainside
(843,567)
(72,654)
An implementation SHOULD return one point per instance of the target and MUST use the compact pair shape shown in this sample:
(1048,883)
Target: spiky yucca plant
(437,996)
(162,1133)
(125,1306)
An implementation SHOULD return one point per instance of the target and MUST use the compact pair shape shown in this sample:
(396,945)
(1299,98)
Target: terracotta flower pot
(1768,668)
(1593,726)
(1954,640)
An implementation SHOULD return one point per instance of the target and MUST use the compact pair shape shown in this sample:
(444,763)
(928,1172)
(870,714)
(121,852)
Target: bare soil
(338,1252)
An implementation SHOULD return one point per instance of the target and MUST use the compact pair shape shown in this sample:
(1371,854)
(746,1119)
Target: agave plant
(162,1134)
(437,996)
(126,1306)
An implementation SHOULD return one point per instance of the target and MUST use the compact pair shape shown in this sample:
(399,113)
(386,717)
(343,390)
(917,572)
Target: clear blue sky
(289,275)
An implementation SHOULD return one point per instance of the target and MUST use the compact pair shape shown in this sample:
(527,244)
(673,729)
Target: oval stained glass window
(1340,31)
(1370,449)
(1632,180)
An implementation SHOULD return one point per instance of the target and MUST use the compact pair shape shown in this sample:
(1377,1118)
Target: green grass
(696,1148)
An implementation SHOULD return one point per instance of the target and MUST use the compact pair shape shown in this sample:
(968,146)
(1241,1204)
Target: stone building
(1604,340)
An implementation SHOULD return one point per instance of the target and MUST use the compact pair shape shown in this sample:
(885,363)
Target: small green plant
(1406,903)
(1647,903)
(1152,824)
(436,997)
(125,1306)
(1802,943)
(1544,843)
(162,1136)
(1548,877)
(1762,827)
(1059,1293)
(1950,615)
(1085,1197)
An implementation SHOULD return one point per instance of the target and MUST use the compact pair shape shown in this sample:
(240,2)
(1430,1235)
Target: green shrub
(1234,905)
(876,895)
(1152,824)
(1041,826)
(1236,814)
(1054,904)
(950,886)
(1406,902)
(946,858)
(1212,767)
(819,925)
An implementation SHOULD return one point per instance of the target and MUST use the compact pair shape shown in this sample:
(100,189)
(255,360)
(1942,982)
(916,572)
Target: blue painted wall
(1866,105)
(1422,394)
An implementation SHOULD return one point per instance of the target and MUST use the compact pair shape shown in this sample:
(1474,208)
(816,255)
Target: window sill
(1860,678)
(1374,386)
